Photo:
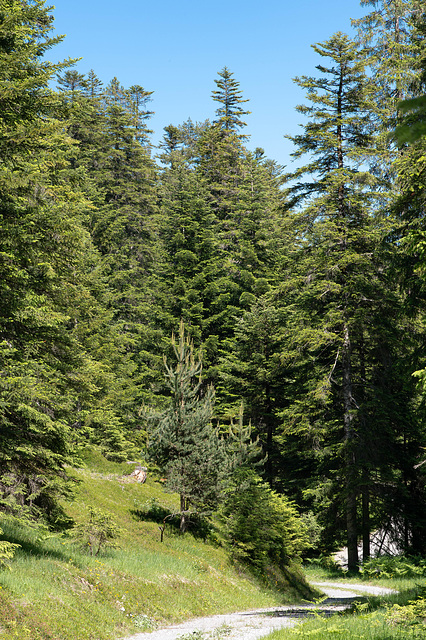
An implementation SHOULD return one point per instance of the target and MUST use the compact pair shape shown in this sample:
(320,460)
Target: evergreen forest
(254,334)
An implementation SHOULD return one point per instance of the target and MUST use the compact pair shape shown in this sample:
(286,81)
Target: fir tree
(391,52)
(43,245)
(229,96)
(340,287)
(393,33)
(220,206)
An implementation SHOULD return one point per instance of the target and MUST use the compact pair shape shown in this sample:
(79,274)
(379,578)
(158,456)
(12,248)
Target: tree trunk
(366,551)
(350,461)
(364,455)
(183,510)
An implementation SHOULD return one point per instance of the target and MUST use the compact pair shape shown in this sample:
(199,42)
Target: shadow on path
(325,609)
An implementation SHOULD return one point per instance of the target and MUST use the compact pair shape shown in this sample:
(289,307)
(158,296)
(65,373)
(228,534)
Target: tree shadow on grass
(34,548)
(154,512)
(198,526)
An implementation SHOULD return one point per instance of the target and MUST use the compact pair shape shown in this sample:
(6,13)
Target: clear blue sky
(175,48)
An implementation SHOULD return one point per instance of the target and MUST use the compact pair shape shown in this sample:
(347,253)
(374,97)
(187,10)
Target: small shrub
(412,615)
(7,551)
(151,510)
(144,622)
(313,529)
(394,567)
(99,531)
(194,635)
(261,525)
(327,563)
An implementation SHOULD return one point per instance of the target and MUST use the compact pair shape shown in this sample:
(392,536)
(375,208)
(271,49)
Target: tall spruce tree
(393,33)
(220,206)
(188,238)
(339,286)
(44,250)
(392,54)
(110,125)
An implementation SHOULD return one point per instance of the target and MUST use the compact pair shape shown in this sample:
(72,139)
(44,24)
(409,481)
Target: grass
(373,618)
(54,590)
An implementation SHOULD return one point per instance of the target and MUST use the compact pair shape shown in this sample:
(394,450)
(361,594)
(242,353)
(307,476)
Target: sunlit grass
(56,591)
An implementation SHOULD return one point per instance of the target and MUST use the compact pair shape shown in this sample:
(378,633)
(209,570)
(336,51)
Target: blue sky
(175,48)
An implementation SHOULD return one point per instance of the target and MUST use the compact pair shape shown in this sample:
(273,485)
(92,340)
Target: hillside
(55,590)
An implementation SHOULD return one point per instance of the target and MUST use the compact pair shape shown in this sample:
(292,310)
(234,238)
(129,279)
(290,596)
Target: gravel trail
(251,625)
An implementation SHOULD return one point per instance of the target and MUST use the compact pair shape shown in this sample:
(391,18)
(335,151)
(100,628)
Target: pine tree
(183,442)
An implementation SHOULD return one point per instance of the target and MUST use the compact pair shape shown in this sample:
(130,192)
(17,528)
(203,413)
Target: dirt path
(251,625)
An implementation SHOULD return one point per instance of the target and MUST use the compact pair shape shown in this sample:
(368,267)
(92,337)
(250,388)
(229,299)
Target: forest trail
(250,625)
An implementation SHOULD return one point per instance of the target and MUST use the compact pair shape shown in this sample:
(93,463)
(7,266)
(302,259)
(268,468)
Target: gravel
(251,625)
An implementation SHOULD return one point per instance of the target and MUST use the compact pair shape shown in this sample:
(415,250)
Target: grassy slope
(54,591)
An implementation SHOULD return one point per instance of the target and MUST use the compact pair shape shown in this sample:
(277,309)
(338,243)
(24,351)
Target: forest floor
(250,625)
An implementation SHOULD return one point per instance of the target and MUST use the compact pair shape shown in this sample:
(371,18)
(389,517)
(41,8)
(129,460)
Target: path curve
(251,625)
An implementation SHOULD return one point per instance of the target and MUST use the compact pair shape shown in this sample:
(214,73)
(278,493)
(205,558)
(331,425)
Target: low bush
(412,616)
(394,567)
(99,531)
(7,551)
(262,526)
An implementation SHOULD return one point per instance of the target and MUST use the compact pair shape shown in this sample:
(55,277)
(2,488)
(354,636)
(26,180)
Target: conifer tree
(120,179)
(340,287)
(183,441)
(393,33)
(230,97)
(44,247)
(251,371)
(224,201)
(392,53)
(189,240)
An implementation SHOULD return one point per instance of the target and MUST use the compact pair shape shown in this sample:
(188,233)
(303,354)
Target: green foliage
(7,551)
(411,616)
(313,529)
(43,245)
(414,125)
(327,564)
(392,48)
(98,532)
(394,567)
(144,622)
(313,319)
(351,402)
(183,441)
(262,527)
(57,591)
(228,95)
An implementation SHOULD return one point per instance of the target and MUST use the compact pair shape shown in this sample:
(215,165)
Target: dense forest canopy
(301,293)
